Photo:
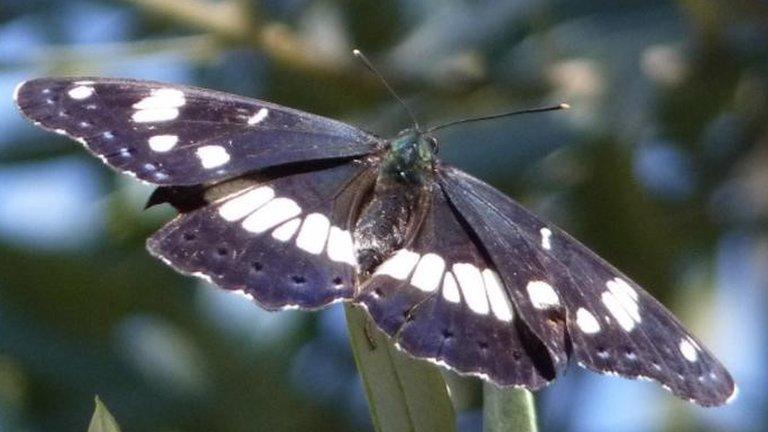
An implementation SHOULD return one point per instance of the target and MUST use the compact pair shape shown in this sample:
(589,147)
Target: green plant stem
(404,394)
(508,410)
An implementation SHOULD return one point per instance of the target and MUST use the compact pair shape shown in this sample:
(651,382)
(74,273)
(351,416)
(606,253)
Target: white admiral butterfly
(300,211)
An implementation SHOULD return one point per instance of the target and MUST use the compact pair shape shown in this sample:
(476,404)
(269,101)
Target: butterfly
(294,210)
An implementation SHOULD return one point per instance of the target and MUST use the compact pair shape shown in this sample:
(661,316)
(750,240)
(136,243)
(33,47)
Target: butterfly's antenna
(561,106)
(370,67)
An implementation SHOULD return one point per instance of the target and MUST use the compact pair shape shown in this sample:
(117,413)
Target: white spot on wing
(241,293)
(450,288)
(314,233)
(428,273)
(161,105)
(496,296)
(542,295)
(245,204)
(546,238)
(271,214)
(286,231)
(212,156)
(155,115)
(258,117)
(16,90)
(80,92)
(399,266)
(341,247)
(619,285)
(688,350)
(202,276)
(733,395)
(162,98)
(586,321)
(163,143)
(472,287)
(617,310)
(621,301)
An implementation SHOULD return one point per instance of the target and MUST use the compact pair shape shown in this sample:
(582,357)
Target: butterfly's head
(410,156)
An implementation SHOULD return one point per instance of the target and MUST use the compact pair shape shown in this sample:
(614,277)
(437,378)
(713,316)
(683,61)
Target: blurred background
(661,166)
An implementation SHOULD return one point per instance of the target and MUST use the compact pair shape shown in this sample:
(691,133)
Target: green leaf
(404,394)
(508,410)
(102,420)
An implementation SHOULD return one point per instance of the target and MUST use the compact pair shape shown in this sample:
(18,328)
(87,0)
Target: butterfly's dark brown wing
(613,325)
(284,241)
(441,299)
(169,134)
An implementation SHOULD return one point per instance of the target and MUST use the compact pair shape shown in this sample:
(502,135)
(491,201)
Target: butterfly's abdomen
(385,225)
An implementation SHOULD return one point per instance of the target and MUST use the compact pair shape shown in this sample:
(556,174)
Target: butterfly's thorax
(402,189)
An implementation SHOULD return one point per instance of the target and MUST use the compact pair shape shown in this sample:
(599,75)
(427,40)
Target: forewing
(613,324)
(176,135)
(441,299)
(284,242)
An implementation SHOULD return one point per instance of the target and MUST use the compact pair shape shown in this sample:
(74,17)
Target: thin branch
(237,22)
(230,20)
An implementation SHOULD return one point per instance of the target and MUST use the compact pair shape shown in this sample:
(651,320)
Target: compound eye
(433,142)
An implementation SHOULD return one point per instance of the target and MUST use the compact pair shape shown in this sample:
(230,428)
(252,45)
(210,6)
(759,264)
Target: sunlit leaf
(404,394)
(508,410)
(102,420)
